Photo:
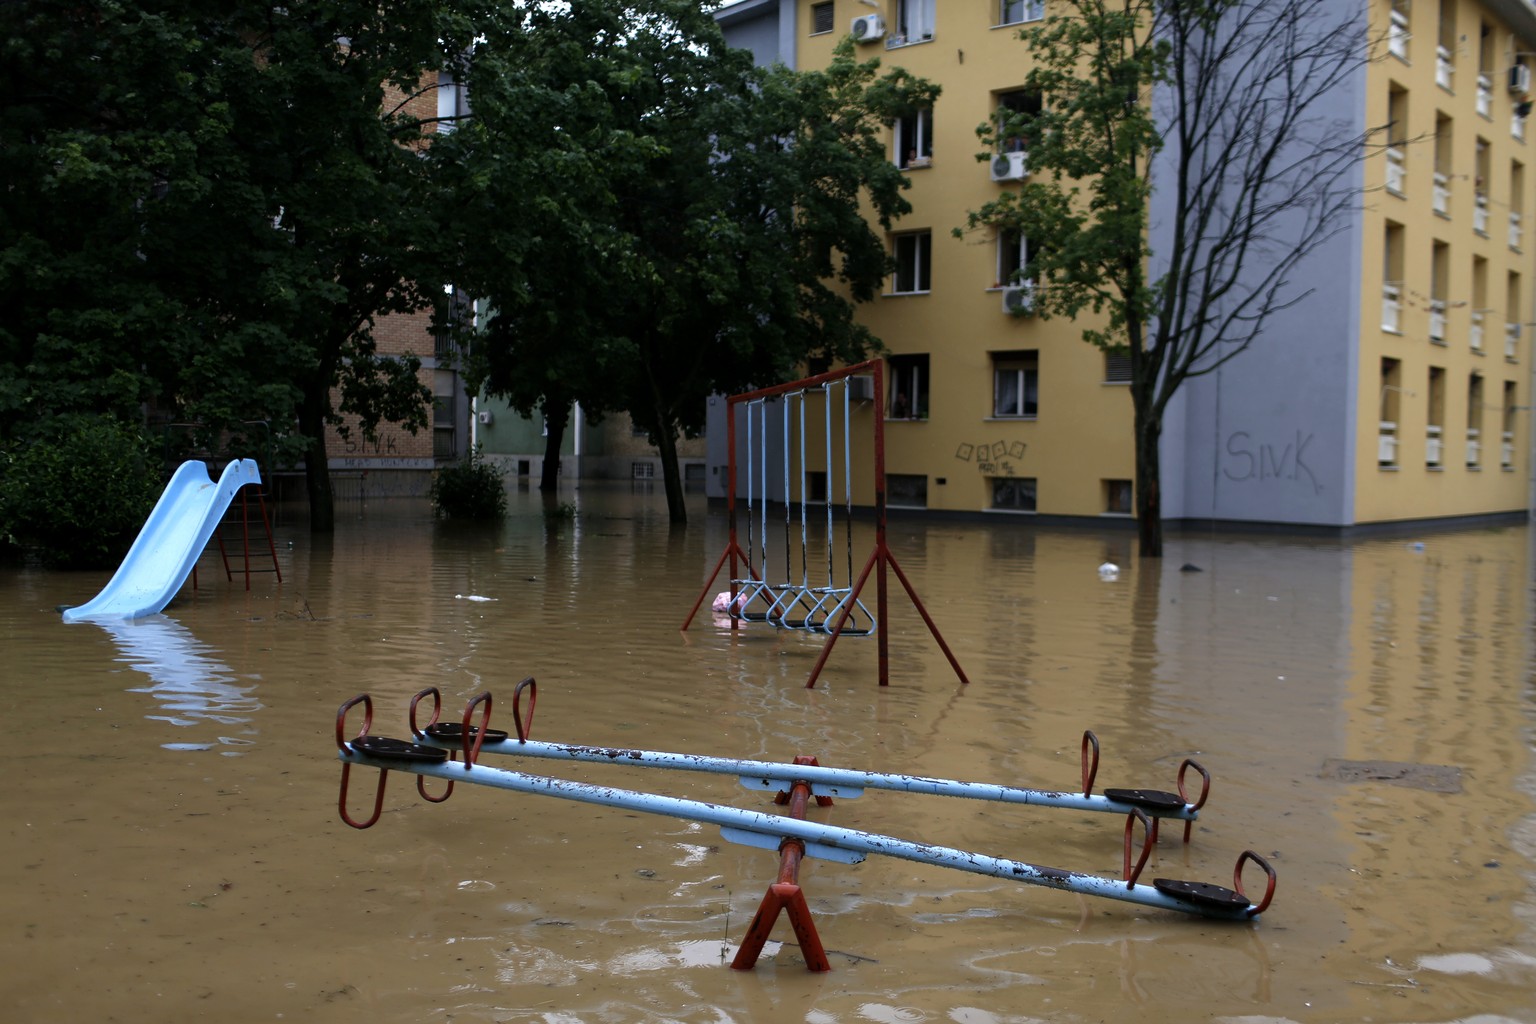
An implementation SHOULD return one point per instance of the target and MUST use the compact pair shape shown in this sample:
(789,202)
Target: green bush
(471,490)
(77,496)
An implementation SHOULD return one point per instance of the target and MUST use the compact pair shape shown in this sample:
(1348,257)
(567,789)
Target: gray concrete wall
(1270,436)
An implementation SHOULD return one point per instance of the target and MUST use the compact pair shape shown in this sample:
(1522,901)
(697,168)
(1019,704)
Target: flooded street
(172,849)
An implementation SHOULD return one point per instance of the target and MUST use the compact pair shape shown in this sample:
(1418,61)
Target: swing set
(778,438)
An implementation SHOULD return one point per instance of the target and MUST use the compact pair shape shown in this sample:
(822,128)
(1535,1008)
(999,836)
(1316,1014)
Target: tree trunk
(556,417)
(1148,486)
(317,469)
(672,477)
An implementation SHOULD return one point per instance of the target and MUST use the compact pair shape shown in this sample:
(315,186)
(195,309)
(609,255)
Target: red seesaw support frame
(880,558)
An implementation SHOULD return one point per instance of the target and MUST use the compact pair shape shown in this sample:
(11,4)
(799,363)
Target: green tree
(687,224)
(208,207)
(1215,116)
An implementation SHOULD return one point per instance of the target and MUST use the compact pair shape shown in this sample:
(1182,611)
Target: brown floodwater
(172,849)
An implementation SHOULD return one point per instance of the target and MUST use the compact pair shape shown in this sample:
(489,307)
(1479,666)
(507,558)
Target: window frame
(919,274)
(919,123)
(830,8)
(1022,368)
(912,370)
(913,21)
(1029,10)
(1013,260)
(1112,490)
(1021,484)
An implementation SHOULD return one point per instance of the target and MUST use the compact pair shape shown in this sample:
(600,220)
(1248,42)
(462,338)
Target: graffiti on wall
(994,458)
(1246,459)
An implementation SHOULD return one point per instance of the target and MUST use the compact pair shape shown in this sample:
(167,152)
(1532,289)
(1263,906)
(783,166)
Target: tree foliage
(1224,119)
(654,220)
(208,205)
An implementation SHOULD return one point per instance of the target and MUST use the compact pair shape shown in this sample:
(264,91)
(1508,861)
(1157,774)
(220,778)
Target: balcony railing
(1517,127)
(1515,232)
(1512,342)
(1507,451)
(1442,194)
(1437,320)
(1444,69)
(1434,445)
(1391,308)
(1484,96)
(1475,331)
(1396,173)
(1480,214)
(1474,447)
(1386,444)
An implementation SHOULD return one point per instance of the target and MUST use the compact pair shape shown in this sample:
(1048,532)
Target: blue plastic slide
(168,546)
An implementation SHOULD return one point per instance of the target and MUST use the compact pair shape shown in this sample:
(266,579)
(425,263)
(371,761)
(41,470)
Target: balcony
(1485,96)
(1386,444)
(1434,445)
(1437,321)
(1474,448)
(1514,231)
(1517,127)
(1391,308)
(1480,214)
(1444,69)
(1396,172)
(1442,196)
(1475,331)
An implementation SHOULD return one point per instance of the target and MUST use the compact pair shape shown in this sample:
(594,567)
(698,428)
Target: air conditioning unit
(1009,167)
(1019,300)
(868,28)
(1520,79)
(861,388)
(486,417)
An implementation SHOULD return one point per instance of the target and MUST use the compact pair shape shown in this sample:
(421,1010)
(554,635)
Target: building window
(1117,367)
(1393,246)
(906,490)
(914,254)
(909,387)
(1434,431)
(1016,110)
(1012,12)
(1391,402)
(1397,30)
(1016,384)
(1397,140)
(914,139)
(1475,421)
(914,22)
(821,18)
(1013,259)
(1507,447)
(1013,493)
(1117,497)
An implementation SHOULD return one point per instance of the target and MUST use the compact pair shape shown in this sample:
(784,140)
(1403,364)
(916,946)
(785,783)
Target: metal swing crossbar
(830,609)
(439,745)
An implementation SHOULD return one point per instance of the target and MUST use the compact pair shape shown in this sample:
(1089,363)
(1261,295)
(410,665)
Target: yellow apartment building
(1398,389)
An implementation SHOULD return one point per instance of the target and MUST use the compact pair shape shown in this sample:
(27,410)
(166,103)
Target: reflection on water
(191,685)
(1271,659)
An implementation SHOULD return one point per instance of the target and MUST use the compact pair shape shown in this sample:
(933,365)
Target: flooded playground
(173,851)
